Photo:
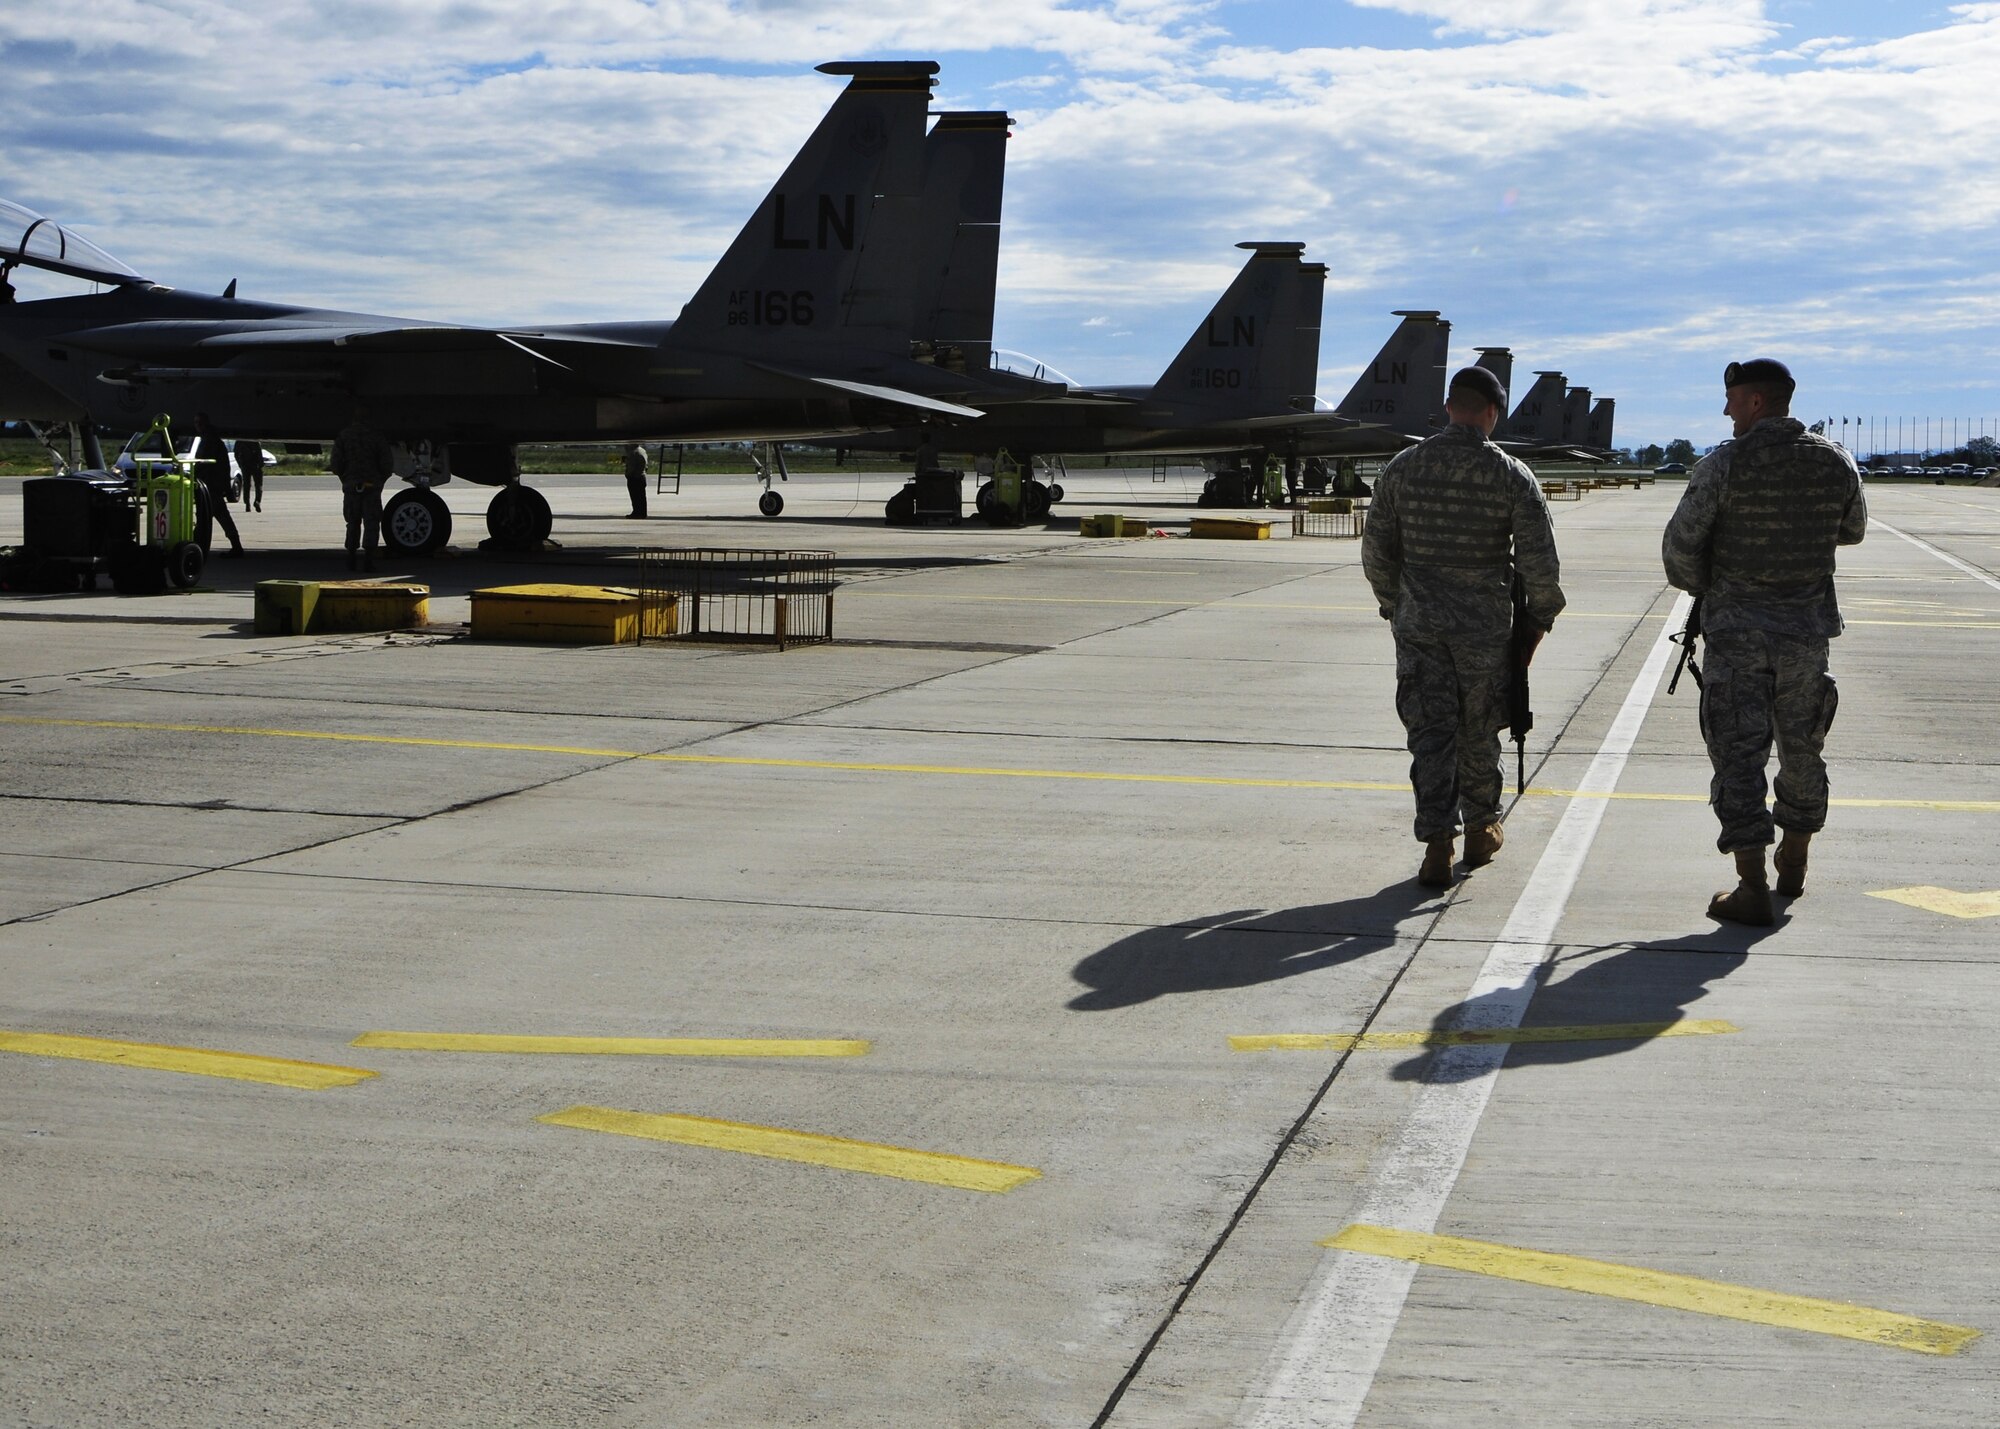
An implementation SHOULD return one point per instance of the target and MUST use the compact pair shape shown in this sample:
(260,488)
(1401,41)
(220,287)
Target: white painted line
(1326,1359)
(1949,560)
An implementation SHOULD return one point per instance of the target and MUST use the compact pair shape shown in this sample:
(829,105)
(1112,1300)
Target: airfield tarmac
(1052,822)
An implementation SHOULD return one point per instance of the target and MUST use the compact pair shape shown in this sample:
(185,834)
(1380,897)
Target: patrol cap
(1477,381)
(1760,369)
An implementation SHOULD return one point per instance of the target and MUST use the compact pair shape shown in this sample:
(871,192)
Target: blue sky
(1630,191)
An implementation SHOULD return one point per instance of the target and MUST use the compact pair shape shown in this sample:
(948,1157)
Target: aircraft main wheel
(770,503)
(518,518)
(416,522)
(184,565)
(1035,501)
(545,519)
(982,499)
(901,509)
(1055,492)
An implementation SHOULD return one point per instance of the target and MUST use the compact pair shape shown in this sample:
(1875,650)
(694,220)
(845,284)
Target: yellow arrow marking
(1959,806)
(838,1152)
(1945,900)
(199,1061)
(1471,1037)
(1658,1287)
(610,1046)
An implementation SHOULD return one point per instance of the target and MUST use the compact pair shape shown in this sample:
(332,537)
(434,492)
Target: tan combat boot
(1790,861)
(1750,901)
(1436,872)
(1481,844)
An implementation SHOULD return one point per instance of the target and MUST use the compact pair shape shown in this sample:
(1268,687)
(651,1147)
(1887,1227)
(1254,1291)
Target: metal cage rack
(1337,517)
(780,598)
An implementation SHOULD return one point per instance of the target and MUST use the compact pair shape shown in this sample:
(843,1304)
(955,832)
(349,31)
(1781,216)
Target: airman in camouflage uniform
(1754,537)
(1454,519)
(364,462)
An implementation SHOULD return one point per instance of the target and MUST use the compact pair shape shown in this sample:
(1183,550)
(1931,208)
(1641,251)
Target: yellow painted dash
(197,1061)
(1472,1037)
(1658,1287)
(612,1046)
(810,1147)
(1948,901)
(961,771)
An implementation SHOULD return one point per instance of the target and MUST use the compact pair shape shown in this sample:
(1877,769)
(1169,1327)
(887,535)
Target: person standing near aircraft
(250,462)
(635,477)
(1455,521)
(211,469)
(1754,538)
(363,461)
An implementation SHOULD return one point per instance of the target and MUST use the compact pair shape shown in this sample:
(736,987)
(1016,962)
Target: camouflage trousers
(1759,688)
(1452,697)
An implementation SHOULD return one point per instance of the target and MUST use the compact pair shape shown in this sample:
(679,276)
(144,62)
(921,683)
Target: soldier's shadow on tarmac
(1645,982)
(1242,948)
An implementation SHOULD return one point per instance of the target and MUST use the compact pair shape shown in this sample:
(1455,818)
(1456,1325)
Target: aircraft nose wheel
(770,503)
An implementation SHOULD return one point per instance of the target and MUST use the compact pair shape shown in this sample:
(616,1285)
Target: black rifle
(1520,718)
(1689,633)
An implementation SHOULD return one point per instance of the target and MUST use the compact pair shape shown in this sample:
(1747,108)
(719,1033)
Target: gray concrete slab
(1054,821)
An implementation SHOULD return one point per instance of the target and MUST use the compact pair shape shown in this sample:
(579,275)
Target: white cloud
(1635,187)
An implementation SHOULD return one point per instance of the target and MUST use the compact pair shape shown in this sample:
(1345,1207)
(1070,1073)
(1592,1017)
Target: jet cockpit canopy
(1005,359)
(27,237)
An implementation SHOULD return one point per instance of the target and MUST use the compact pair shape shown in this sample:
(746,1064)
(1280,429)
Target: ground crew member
(211,469)
(250,462)
(362,460)
(1454,519)
(635,477)
(1754,537)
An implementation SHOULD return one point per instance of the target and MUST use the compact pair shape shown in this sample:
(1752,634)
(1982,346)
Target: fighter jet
(1241,386)
(805,327)
(1554,421)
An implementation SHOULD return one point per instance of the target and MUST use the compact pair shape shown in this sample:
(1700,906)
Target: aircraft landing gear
(518,518)
(770,463)
(416,522)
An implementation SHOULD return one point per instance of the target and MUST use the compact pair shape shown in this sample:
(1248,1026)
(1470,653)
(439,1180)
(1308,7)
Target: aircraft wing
(895,396)
(360,337)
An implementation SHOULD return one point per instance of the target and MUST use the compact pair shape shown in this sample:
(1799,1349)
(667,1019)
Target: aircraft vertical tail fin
(829,252)
(1500,362)
(1538,415)
(1256,352)
(1599,433)
(965,165)
(1403,388)
(1576,416)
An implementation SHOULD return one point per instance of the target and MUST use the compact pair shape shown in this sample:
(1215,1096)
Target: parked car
(135,447)
(1672,468)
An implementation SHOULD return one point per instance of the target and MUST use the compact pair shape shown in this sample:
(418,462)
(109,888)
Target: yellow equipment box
(570,615)
(322,607)
(1229,528)
(353,606)
(285,607)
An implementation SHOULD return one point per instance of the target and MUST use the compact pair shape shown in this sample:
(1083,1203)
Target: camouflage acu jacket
(1756,530)
(1453,518)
